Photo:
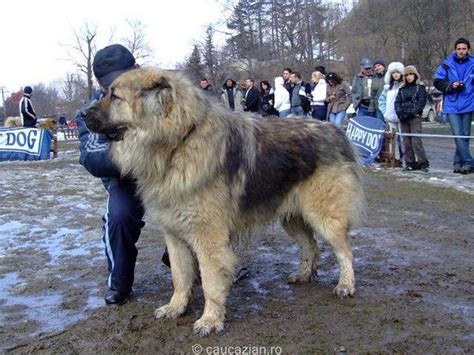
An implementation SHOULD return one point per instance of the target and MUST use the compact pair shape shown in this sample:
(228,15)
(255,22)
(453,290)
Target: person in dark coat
(27,112)
(409,104)
(123,219)
(267,99)
(252,96)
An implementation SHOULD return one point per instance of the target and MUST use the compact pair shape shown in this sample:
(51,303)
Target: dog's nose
(92,121)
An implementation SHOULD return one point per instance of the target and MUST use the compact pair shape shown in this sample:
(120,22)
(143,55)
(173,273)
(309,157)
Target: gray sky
(33,31)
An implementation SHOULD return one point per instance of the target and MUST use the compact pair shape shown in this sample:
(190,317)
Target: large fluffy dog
(207,174)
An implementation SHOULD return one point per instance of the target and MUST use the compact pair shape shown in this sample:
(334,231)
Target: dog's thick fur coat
(208,174)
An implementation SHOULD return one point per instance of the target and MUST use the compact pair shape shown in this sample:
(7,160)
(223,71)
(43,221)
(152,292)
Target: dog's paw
(344,290)
(203,327)
(297,277)
(168,311)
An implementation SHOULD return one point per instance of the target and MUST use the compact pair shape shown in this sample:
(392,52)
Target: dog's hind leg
(335,232)
(183,274)
(334,226)
(309,251)
(217,263)
(330,203)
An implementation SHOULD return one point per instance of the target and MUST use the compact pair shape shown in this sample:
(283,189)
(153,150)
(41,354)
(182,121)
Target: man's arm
(441,80)
(27,108)
(94,150)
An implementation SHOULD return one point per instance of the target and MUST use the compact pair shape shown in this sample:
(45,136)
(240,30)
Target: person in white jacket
(282,98)
(386,103)
(318,99)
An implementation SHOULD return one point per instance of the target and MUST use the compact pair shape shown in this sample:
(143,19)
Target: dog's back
(12,122)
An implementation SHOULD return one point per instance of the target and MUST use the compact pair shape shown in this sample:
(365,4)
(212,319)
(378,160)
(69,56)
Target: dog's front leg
(183,273)
(217,263)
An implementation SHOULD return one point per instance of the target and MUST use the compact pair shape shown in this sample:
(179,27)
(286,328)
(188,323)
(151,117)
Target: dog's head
(50,123)
(144,101)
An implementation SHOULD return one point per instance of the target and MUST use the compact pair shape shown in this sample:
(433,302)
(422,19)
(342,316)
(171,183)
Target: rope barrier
(430,135)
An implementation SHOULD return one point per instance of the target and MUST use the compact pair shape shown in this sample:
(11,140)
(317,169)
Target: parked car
(429,111)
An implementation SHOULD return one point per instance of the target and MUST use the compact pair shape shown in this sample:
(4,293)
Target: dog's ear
(156,87)
(157,97)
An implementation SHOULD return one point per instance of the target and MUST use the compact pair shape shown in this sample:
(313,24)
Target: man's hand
(457,85)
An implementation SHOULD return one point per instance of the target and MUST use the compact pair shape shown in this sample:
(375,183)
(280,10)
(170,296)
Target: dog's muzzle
(98,121)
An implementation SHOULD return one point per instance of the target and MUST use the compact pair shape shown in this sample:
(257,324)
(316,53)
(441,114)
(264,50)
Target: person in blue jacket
(455,79)
(123,218)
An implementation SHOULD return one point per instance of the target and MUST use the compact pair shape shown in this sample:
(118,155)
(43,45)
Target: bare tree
(137,42)
(73,92)
(82,51)
(45,100)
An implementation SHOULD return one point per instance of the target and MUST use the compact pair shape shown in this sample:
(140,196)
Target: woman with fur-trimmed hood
(231,95)
(409,104)
(386,104)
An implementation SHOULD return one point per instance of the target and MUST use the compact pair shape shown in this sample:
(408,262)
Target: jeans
(337,118)
(284,113)
(364,111)
(297,111)
(461,126)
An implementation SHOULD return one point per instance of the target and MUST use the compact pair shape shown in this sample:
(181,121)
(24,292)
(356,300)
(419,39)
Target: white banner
(24,140)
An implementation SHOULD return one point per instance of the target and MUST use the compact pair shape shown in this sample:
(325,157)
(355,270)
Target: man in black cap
(27,113)
(123,219)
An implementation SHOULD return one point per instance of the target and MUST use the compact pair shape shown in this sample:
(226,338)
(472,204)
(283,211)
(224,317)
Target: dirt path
(413,263)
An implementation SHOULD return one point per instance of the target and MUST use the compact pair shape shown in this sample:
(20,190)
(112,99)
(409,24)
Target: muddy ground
(413,264)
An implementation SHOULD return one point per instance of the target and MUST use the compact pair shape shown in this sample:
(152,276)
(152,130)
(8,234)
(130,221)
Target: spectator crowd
(394,94)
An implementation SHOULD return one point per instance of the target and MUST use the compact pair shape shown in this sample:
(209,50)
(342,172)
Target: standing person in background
(377,87)
(62,120)
(339,98)
(207,88)
(252,96)
(27,112)
(386,103)
(300,103)
(231,95)
(409,104)
(318,96)
(362,89)
(282,98)
(267,99)
(287,80)
(455,78)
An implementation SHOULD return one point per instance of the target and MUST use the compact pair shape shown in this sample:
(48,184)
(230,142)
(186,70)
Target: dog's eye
(114,97)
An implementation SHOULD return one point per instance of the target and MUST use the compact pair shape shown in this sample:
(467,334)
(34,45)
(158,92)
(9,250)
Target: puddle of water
(43,309)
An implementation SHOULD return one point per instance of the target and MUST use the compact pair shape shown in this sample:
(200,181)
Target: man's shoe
(457,170)
(465,170)
(117,297)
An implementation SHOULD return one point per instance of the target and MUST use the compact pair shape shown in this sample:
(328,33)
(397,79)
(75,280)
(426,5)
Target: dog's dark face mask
(98,121)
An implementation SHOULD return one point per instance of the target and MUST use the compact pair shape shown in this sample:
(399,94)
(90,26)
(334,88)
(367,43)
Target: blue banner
(25,144)
(367,134)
